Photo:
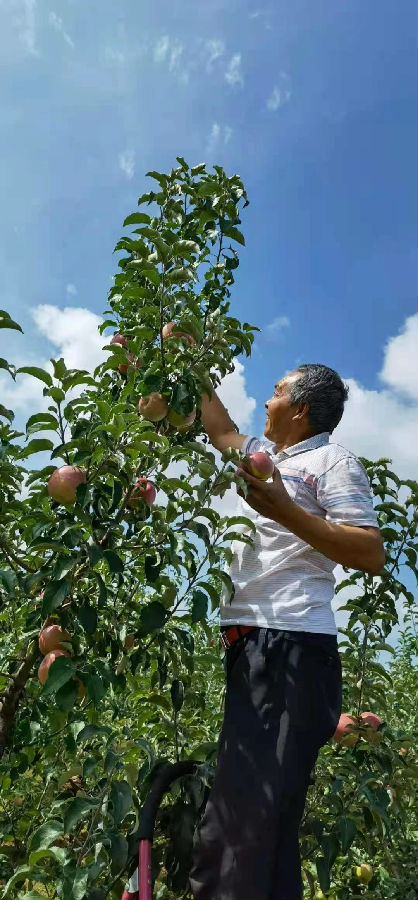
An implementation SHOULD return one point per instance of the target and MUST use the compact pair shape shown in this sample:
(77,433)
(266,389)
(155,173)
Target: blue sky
(313,104)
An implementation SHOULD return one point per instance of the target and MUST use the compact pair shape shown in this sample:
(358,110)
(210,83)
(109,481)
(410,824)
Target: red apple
(371,719)
(18,801)
(153,407)
(123,367)
(50,638)
(143,490)
(344,734)
(259,464)
(179,422)
(403,751)
(129,641)
(63,484)
(168,332)
(47,662)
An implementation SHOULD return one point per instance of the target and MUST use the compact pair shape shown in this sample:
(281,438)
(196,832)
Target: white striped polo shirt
(282,582)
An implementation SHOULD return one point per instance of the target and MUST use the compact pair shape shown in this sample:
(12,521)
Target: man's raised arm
(218,424)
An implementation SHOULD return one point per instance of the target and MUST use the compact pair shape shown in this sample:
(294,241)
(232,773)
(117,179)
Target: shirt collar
(318,440)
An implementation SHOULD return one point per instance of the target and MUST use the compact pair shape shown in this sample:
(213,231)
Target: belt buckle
(224,640)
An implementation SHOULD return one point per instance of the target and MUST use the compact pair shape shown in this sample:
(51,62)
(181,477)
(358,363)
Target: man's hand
(269,498)
(354,547)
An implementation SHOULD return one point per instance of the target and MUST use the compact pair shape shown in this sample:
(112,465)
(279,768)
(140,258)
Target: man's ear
(302,411)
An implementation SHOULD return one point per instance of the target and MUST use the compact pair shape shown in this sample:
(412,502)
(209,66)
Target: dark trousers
(282,703)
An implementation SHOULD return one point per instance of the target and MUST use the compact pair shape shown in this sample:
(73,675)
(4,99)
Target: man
(283,671)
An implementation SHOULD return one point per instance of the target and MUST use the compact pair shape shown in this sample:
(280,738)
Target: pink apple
(371,719)
(63,484)
(168,332)
(143,490)
(179,422)
(259,464)
(153,407)
(344,731)
(123,367)
(50,638)
(47,662)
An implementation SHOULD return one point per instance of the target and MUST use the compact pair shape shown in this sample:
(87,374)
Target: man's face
(280,409)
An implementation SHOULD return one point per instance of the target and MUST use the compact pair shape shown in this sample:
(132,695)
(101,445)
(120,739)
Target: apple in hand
(343,733)
(259,464)
(179,422)
(143,490)
(168,331)
(50,638)
(63,484)
(153,407)
(47,662)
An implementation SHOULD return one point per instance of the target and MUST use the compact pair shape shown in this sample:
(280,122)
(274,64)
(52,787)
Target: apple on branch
(144,490)
(153,407)
(258,464)
(133,361)
(179,422)
(46,663)
(343,733)
(51,637)
(168,331)
(63,484)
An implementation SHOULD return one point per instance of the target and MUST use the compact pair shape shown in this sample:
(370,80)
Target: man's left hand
(268,498)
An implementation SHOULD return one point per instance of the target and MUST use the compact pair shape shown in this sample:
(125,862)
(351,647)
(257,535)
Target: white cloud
(114,56)
(58,24)
(276,327)
(220,135)
(280,94)
(400,368)
(233,73)
(214,49)
(74,332)
(127,162)
(71,290)
(24,19)
(161,48)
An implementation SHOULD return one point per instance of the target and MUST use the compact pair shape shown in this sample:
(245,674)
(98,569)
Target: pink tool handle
(145,879)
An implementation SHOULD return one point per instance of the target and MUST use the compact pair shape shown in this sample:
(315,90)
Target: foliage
(80,754)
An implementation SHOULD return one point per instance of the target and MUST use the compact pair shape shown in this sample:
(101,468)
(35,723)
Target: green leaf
(36,373)
(95,554)
(153,566)
(55,594)
(347,829)
(137,219)
(61,671)
(46,834)
(323,873)
(232,232)
(199,606)
(153,616)
(90,731)
(57,853)
(118,850)
(36,446)
(66,695)
(95,688)
(77,809)
(177,694)
(21,874)
(87,616)
(121,798)
(7,322)
(43,419)
(79,887)
(102,589)
(6,413)
(8,580)
(114,561)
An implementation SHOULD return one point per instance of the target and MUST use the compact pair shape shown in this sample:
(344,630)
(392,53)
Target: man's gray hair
(324,392)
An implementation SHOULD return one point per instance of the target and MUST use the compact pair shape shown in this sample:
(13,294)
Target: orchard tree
(95,569)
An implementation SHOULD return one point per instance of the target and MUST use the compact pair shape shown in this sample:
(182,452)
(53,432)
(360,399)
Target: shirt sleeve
(345,495)
(254,445)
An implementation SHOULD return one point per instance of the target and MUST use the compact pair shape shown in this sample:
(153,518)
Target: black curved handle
(168,773)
